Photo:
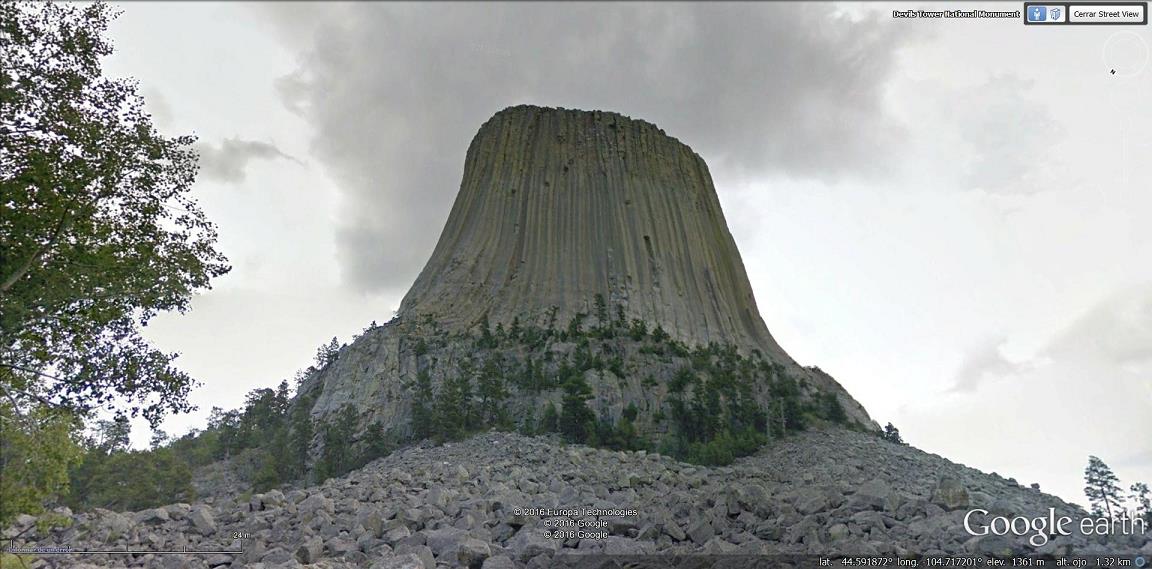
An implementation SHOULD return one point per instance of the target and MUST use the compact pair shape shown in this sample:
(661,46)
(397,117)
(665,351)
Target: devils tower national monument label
(557,206)
(586,258)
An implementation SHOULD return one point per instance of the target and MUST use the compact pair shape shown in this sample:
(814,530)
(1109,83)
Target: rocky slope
(473,504)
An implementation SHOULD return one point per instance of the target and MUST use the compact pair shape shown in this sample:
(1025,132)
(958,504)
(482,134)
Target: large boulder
(202,519)
(403,561)
(950,494)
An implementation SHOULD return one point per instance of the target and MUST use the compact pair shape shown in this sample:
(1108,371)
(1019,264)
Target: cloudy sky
(951,217)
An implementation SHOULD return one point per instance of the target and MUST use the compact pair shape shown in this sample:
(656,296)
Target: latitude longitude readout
(1073,562)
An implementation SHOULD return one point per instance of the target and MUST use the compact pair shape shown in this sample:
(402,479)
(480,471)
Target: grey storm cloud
(228,161)
(395,93)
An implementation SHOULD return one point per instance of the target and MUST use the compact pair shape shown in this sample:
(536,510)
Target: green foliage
(550,419)
(487,341)
(337,457)
(130,479)
(659,335)
(327,353)
(98,228)
(601,311)
(37,448)
(681,380)
(1142,499)
(638,330)
(301,431)
(618,435)
(576,419)
(49,522)
(892,434)
(631,412)
(528,423)
(831,408)
(724,448)
(515,330)
(423,424)
(552,319)
(615,365)
(576,325)
(788,408)
(376,443)
(453,407)
(492,393)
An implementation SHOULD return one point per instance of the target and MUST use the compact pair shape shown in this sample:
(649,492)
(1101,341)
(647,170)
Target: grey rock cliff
(557,208)
(559,205)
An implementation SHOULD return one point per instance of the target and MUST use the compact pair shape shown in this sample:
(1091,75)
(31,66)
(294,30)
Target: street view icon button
(1045,14)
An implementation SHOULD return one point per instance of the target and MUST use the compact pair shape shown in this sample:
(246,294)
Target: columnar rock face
(558,211)
(558,206)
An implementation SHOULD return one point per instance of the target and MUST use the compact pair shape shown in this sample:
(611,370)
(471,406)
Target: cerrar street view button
(1108,13)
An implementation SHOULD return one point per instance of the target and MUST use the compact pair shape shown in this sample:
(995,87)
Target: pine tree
(833,410)
(528,423)
(337,457)
(550,420)
(159,439)
(492,394)
(659,335)
(300,438)
(576,419)
(638,329)
(453,406)
(1102,488)
(892,434)
(576,326)
(487,341)
(423,424)
(1142,498)
(375,443)
(601,308)
(327,353)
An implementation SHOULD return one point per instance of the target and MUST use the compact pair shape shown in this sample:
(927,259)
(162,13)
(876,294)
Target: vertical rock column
(557,206)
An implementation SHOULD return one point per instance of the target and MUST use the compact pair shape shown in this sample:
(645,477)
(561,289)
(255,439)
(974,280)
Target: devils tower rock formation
(557,206)
(583,247)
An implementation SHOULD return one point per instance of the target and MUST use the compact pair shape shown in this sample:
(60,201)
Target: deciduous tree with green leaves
(98,228)
(98,233)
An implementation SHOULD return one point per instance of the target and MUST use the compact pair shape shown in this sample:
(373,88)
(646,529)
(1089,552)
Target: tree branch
(15,403)
(64,224)
(40,373)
